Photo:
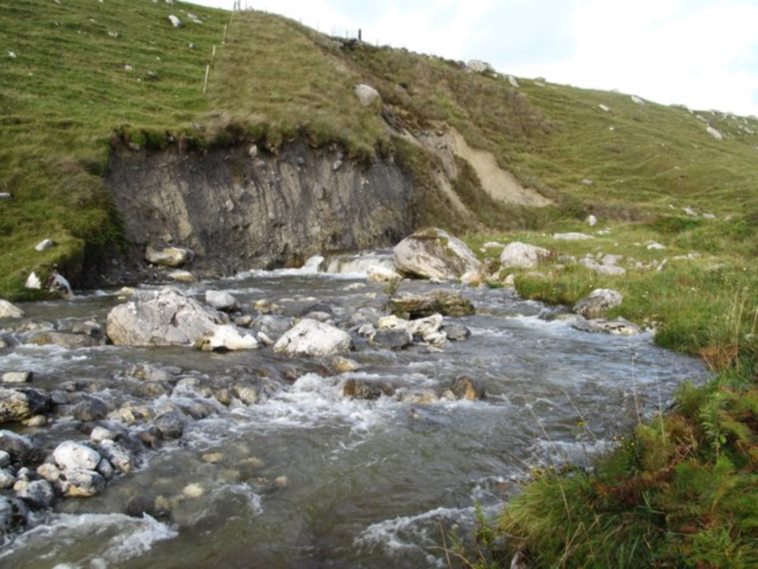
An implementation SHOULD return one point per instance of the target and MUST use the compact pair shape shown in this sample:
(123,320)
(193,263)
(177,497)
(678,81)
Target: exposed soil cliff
(240,208)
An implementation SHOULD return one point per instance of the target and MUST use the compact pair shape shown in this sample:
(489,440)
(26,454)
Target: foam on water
(111,538)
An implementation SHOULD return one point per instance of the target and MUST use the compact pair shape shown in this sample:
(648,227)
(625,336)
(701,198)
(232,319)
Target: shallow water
(308,478)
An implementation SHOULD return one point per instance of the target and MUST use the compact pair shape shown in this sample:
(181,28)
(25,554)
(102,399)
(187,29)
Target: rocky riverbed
(289,418)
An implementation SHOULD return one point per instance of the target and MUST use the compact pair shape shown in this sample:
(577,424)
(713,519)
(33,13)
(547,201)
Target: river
(306,477)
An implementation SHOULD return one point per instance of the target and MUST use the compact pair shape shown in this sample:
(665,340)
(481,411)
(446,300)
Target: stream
(305,477)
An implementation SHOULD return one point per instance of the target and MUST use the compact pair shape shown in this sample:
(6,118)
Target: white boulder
(74,456)
(714,133)
(229,339)
(10,310)
(479,66)
(44,245)
(367,94)
(522,255)
(434,254)
(160,318)
(313,338)
(176,22)
(33,282)
(598,302)
(591,220)
(221,300)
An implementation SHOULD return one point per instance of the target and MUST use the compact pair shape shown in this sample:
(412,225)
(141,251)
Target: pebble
(193,491)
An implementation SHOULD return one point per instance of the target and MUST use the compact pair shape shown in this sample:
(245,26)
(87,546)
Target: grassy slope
(62,98)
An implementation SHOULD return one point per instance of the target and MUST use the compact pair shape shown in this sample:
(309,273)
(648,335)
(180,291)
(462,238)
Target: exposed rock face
(9,310)
(238,211)
(434,254)
(313,338)
(163,318)
(522,255)
(598,302)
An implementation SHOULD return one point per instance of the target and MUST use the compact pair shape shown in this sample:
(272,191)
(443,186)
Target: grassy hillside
(84,72)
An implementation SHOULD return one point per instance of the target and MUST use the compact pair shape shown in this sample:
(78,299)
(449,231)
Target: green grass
(62,99)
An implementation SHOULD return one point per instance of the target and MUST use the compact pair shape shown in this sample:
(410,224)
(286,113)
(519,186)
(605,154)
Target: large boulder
(442,302)
(434,254)
(8,310)
(163,318)
(313,338)
(168,256)
(598,302)
(367,94)
(522,255)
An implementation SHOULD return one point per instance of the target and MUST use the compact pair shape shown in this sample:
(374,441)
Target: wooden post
(205,83)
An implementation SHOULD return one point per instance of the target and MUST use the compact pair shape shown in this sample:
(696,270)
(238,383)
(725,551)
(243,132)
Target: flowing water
(306,477)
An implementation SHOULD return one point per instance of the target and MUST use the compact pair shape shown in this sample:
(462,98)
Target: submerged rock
(170,425)
(619,326)
(392,338)
(467,388)
(313,338)
(163,318)
(366,390)
(598,302)
(434,254)
(62,339)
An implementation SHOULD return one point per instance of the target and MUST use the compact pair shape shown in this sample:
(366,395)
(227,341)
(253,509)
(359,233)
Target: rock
(424,328)
(479,66)
(44,245)
(392,338)
(472,278)
(380,274)
(5,459)
(117,455)
(366,390)
(168,256)
(344,365)
(653,246)
(81,483)
(221,300)
(14,515)
(33,282)
(176,22)
(39,493)
(598,302)
(100,434)
(571,236)
(16,446)
(193,491)
(610,270)
(312,338)
(180,276)
(619,326)
(19,404)
(105,468)
(418,396)
(89,409)
(434,254)
(247,394)
(512,81)
(170,425)
(75,456)
(7,480)
(367,94)
(9,310)
(591,220)
(522,255)
(36,422)
(17,377)
(49,472)
(637,100)
(587,182)
(714,133)
(228,339)
(163,318)
(604,108)
(194,19)
(442,302)
(62,339)
(456,332)
(466,388)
